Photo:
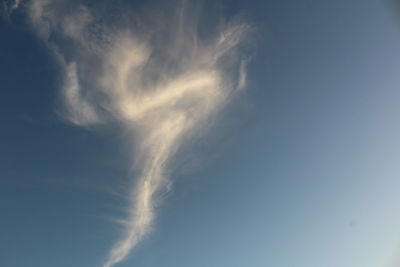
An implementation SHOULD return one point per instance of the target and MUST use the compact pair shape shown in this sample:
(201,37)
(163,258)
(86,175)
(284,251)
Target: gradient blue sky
(302,170)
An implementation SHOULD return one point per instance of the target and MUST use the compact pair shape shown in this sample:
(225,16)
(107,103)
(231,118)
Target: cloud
(15,5)
(156,74)
(80,111)
(8,7)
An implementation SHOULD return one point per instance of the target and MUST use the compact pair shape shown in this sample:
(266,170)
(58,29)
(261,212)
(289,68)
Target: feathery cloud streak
(156,74)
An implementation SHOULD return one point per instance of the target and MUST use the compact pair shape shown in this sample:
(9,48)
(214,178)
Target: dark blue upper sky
(301,170)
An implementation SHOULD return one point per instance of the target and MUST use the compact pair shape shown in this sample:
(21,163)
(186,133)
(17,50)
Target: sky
(199,133)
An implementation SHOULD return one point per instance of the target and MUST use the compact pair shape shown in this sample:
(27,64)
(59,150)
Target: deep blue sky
(303,171)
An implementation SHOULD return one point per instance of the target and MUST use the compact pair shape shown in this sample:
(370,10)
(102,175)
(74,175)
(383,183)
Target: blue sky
(299,169)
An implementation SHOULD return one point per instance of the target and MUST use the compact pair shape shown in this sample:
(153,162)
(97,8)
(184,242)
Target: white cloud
(15,5)
(80,111)
(8,7)
(162,81)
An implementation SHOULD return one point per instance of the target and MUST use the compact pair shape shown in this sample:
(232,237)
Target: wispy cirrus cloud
(8,7)
(155,74)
